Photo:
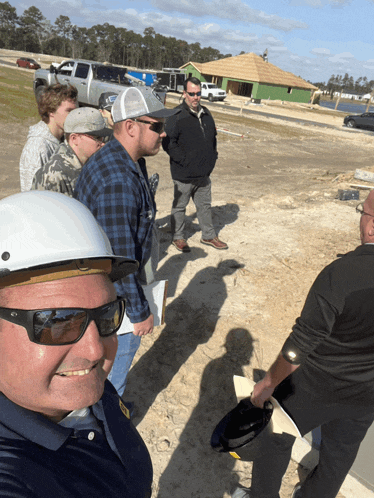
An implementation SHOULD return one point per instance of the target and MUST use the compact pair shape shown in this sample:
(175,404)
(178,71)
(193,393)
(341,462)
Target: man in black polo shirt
(64,431)
(324,375)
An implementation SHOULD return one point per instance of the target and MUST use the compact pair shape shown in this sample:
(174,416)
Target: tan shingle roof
(196,65)
(251,67)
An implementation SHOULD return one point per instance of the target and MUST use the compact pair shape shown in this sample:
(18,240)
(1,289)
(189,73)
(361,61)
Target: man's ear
(74,139)
(130,127)
(370,227)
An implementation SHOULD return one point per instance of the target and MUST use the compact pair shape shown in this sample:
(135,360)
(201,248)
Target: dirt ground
(229,312)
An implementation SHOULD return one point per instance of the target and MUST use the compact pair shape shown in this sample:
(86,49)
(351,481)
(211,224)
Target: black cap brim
(105,132)
(163,113)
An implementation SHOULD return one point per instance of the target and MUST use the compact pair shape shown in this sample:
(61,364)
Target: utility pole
(370,99)
(337,102)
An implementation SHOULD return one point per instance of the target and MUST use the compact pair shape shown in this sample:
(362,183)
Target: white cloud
(319,3)
(320,51)
(311,3)
(341,57)
(230,10)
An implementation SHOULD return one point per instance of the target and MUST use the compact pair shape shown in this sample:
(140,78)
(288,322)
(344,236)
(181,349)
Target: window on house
(289,89)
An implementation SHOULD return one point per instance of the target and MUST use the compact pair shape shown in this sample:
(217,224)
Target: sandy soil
(228,312)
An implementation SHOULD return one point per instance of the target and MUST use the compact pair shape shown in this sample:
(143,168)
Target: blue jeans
(128,344)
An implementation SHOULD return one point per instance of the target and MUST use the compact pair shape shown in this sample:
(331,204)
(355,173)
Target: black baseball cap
(106,100)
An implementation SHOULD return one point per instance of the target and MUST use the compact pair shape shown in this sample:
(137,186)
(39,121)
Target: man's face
(85,145)
(192,101)
(58,117)
(54,380)
(149,141)
(108,116)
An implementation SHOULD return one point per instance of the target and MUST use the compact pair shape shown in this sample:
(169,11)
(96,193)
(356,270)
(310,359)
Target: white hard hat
(43,228)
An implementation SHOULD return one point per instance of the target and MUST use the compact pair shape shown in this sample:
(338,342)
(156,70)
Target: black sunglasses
(192,94)
(99,140)
(62,326)
(156,126)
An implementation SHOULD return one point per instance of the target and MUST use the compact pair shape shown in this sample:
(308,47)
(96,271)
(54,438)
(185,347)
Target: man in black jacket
(192,146)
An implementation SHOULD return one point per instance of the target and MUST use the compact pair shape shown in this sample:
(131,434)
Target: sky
(311,38)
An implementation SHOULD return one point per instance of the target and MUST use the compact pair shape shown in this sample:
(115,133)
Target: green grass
(17,101)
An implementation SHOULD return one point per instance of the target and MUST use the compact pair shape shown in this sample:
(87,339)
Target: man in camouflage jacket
(85,131)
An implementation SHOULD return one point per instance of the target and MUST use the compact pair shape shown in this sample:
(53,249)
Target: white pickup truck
(90,78)
(211,92)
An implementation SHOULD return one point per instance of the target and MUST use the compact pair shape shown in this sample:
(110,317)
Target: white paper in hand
(155,294)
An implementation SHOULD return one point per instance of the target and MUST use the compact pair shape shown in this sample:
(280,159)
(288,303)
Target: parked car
(365,120)
(26,62)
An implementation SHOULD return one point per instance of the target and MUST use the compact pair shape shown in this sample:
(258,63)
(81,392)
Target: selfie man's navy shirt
(39,458)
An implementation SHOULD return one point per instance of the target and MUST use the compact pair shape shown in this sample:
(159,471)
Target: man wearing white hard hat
(114,186)
(64,431)
(85,132)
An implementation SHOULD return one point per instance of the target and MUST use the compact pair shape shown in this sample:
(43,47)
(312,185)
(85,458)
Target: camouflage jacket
(60,173)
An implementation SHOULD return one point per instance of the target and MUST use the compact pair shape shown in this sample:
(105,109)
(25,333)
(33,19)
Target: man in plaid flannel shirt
(114,186)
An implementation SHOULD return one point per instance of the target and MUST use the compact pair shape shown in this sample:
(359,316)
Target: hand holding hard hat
(282,422)
(247,430)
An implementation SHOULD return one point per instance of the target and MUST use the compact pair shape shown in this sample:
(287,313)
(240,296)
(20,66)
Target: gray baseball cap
(106,100)
(88,121)
(139,101)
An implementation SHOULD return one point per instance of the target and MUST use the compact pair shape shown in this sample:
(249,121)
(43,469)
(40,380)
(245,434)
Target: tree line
(346,84)
(32,32)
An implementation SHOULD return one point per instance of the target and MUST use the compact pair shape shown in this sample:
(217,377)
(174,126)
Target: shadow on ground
(205,472)
(190,320)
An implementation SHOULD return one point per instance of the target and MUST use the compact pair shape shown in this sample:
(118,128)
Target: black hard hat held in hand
(244,431)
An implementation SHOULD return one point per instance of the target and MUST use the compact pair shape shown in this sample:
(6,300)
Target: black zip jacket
(191,144)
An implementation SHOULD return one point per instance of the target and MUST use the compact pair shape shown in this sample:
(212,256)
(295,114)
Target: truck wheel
(210,97)
(39,90)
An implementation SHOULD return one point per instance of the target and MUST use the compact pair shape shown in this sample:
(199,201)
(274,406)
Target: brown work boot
(216,243)
(181,245)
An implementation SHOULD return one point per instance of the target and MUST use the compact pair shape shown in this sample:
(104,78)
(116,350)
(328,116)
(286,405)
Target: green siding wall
(281,93)
(194,72)
(262,91)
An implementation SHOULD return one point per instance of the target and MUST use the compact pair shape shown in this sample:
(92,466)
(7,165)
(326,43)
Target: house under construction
(252,76)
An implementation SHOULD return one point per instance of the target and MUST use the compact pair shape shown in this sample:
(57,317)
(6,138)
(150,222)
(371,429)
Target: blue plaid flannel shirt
(112,189)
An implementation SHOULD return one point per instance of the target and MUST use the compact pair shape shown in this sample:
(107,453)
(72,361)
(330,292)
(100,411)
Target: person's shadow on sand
(190,320)
(194,469)
(221,216)
(174,266)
